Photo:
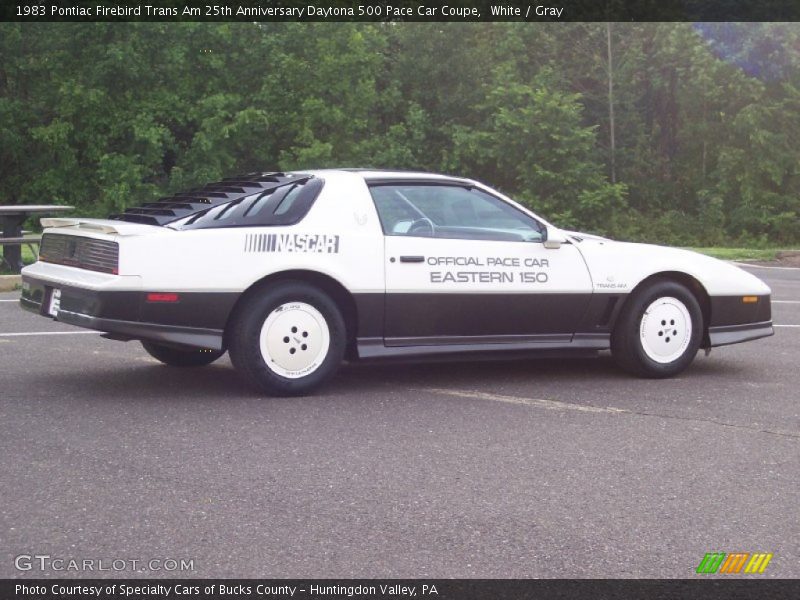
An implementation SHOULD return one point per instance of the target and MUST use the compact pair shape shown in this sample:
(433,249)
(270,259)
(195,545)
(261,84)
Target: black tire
(640,342)
(180,357)
(282,312)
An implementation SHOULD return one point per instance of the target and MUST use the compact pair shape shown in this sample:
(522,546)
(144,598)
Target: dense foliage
(663,132)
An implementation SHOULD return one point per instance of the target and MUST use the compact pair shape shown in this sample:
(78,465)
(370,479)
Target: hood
(577,236)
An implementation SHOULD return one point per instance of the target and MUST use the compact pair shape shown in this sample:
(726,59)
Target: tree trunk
(613,142)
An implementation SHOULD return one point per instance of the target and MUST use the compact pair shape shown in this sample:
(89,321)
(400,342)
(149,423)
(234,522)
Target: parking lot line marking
(17,300)
(549,404)
(786,301)
(27,333)
(741,264)
(786,325)
(556,405)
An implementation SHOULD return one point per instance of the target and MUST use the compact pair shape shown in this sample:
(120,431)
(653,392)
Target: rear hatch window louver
(198,201)
(278,206)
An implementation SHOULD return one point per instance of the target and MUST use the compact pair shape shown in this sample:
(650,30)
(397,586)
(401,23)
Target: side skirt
(477,346)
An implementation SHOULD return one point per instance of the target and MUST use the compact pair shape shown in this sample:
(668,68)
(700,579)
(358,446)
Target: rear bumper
(724,335)
(118,314)
(134,330)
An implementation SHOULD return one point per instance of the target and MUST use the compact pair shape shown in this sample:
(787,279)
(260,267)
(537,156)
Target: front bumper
(734,321)
(125,315)
(725,335)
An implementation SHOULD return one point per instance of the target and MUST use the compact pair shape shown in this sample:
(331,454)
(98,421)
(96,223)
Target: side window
(453,212)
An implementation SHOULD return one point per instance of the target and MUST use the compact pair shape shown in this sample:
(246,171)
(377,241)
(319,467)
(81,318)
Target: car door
(466,267)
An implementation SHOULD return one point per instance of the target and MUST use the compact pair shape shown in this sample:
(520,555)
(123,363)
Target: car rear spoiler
(101,226)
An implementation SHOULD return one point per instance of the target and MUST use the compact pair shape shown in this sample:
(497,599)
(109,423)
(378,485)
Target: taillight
(81,252)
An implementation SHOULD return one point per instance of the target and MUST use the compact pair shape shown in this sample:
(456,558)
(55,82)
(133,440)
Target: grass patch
(760,254)
(28,258)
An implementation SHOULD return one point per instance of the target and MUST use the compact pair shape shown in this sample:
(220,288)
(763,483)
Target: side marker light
(163,297)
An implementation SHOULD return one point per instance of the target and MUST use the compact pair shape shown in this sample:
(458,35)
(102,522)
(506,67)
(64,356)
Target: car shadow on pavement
(220,381)
(531,373)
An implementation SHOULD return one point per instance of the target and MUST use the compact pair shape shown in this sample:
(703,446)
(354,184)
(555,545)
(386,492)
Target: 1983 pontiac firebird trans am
(291,273)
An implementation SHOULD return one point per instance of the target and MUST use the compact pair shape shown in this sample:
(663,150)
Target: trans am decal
(288,242)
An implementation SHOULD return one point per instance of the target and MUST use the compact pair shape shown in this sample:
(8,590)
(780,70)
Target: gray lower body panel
(134,330)
(547,344)
(725,335)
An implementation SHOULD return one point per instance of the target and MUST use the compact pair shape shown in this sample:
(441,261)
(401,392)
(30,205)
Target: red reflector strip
(162,297)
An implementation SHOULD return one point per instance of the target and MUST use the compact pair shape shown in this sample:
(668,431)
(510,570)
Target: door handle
(412,259)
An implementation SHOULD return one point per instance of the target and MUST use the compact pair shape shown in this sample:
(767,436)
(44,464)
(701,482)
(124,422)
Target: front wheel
(659,332)
(288,339)
(181,357)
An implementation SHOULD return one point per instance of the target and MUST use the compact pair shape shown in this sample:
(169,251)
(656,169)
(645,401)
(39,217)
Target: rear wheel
(181,357)
(659,332)
(288,340)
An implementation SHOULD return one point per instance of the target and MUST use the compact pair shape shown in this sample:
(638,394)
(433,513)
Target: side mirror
(553,238)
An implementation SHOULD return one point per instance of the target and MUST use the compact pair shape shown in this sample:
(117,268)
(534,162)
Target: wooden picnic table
(12,217)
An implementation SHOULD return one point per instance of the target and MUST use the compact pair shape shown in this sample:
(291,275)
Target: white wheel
(665,330)
(287,338)
(294,340)
(658,331)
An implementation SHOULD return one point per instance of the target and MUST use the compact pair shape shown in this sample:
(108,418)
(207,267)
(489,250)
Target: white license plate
(55,302)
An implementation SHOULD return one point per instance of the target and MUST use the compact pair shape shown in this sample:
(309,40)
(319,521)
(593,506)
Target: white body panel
(217,260)
(90,280)
(478,266)
(618,267)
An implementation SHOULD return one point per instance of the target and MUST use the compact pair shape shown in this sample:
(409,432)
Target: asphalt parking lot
(502,469)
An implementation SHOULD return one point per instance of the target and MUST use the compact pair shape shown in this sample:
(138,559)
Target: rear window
(285,205)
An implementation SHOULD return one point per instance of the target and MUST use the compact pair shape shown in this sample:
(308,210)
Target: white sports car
(293,272)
